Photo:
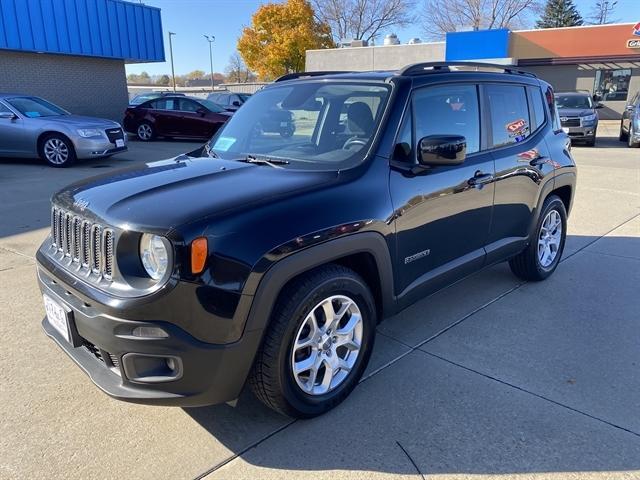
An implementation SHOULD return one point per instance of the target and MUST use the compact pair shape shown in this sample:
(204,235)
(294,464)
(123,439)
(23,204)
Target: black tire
(272,379)
(526,265)
(623,137)
(147,137)
(48,141)
(591,143)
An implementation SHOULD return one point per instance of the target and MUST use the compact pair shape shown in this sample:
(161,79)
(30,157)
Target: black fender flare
(277,276)
(558,181)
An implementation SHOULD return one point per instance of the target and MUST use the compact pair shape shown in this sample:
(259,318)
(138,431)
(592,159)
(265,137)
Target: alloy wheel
(549,238)
(144,132)
(327,345)
(56,151)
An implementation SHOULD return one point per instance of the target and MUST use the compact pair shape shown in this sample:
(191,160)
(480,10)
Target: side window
(553,109)
(448,110)
(510,121)
(536,107)
(162,104)
(188,105)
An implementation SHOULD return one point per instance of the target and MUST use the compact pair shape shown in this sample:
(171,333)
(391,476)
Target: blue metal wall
(97,28)
(477,44)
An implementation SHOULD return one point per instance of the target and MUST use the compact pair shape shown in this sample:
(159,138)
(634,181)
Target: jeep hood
(162,195)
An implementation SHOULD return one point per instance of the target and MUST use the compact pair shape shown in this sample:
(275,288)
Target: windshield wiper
(272,162)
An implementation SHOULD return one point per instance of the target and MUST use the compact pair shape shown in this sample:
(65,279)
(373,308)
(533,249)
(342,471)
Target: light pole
(173,73)
(211,39)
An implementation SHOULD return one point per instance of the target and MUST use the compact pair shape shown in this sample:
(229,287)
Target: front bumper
(105,348)
(583,133)
(97,147)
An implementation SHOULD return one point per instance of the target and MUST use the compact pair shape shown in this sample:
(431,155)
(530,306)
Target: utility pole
(173,73)
(211,39)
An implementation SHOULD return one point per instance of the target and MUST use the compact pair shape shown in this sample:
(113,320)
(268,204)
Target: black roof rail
(427,67)
(293,76)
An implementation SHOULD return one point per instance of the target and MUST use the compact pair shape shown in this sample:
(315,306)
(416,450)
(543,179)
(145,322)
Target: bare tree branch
(362,19)
(442,16)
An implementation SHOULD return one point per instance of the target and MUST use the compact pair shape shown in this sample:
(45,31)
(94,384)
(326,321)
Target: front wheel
(540,259)
(630,141)
(57,150)
(145,132)
(318,343)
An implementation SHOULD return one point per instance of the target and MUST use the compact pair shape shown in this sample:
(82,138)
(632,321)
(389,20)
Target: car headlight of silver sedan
(89,132)
(154,254)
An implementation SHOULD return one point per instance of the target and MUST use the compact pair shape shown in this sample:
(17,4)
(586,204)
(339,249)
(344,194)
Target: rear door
(516,128)
(165,117)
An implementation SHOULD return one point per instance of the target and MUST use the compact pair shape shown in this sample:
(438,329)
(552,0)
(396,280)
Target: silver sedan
(31,127)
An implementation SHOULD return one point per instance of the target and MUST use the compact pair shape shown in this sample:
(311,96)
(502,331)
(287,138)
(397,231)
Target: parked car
(230,101)
(31,127)
(630,123)
(269,260)
(144,97)
(578,115)
(186,117)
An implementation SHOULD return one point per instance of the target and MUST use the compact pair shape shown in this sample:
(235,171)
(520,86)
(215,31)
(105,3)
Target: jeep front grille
(89,244)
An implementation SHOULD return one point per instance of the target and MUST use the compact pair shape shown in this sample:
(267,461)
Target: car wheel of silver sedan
(145,132)
(57,150)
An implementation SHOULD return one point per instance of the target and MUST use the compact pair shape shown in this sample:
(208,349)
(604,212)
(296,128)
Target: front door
(443,214)
(14,139)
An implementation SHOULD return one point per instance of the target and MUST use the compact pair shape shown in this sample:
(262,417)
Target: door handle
(480,179)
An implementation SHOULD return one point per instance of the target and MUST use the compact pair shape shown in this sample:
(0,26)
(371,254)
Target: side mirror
(436,150)
(236,103)
(7,115)
(598,105)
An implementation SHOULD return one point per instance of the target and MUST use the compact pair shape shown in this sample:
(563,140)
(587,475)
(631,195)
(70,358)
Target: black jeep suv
(269,259)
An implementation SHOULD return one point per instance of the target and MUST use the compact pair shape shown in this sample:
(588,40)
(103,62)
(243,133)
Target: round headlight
(154,255)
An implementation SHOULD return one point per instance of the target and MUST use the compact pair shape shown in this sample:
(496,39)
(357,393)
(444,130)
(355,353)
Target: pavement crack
(221,464)
(411,460)
(524,390)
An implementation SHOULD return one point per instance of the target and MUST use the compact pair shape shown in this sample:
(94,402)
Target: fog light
(149,332)
(171,363)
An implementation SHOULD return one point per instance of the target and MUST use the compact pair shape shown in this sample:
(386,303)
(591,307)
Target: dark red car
(175,116)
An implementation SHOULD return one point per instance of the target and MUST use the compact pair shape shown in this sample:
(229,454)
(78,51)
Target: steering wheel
(354,141)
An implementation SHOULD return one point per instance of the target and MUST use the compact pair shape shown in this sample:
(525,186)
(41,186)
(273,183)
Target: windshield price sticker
(224,143)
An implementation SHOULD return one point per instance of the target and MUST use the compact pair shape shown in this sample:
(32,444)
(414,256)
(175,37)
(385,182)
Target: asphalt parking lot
(491,377)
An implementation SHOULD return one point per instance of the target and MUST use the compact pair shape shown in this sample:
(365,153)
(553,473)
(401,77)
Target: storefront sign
(633,43)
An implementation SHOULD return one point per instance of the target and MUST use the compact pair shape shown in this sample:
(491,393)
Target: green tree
(196,75)
(559,13)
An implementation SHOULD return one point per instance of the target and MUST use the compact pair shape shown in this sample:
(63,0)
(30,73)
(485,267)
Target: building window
(612,84)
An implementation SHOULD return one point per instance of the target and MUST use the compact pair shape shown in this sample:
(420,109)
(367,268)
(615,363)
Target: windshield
(33,107)
(313,125)
(574,101)
(214,107)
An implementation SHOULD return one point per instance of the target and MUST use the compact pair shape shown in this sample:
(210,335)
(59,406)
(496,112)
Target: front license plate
(57,316)
(119,143)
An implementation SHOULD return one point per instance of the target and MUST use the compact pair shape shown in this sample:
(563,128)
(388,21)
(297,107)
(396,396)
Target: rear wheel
(57,150)
(145,132)
(540,259)
(623,137)
(318,343)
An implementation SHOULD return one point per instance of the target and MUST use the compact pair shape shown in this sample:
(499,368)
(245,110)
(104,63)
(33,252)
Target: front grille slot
(86,243)
(114,134)
(571,122)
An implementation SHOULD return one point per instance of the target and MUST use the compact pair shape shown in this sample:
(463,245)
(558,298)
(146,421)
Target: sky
(224,19)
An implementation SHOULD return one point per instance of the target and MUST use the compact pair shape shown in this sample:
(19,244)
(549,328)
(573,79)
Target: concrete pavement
(488,378)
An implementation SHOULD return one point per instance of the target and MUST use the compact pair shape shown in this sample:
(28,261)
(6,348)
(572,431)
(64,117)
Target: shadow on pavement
(429,414)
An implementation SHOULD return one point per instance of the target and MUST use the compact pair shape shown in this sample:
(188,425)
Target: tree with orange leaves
(279,36)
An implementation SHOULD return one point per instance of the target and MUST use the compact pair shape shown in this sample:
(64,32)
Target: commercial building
(73,52)
(603,59)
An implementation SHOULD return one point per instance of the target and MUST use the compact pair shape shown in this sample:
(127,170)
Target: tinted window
(536,107)
(509,114)
(188,105)
(448,110)
(404,143)
(551,103)
(162,104)
(33,107)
